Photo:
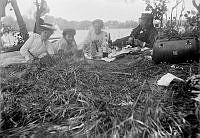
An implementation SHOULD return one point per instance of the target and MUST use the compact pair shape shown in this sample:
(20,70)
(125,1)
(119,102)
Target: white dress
(88,45)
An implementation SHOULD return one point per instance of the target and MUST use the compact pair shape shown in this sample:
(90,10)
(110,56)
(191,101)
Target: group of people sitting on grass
(94,45)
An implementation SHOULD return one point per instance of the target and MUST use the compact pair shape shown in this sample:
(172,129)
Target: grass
(94,98)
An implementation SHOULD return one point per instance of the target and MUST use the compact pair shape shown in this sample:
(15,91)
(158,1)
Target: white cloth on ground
(11,58)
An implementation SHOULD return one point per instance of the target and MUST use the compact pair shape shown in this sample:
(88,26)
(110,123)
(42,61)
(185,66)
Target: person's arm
(151,39)
(38,14)
(152,36)
(50,48)
(24,51)
(74,44)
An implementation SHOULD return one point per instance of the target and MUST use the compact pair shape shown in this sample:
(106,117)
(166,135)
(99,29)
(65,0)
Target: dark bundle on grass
(94,98)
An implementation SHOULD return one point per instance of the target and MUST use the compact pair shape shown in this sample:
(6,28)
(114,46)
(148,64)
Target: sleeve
(56,46)
(135,31)
(105,39)
(121,41)
(1,44)
(24,50)
(50,48)
(74,44)
(152,38)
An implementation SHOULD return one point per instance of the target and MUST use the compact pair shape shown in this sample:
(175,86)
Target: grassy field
(94,98)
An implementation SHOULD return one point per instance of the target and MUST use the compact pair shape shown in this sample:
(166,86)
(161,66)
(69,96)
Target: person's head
(98,25)
(46,31)
(68,34)
(146,20)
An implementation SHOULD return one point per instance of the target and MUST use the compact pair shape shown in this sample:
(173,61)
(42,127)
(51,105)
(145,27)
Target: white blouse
(35,47)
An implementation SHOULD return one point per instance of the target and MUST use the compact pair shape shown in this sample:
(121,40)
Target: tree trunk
(20,21)
(38,14)
(195,5)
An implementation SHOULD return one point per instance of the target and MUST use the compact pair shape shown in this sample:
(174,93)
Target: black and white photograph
(99,68)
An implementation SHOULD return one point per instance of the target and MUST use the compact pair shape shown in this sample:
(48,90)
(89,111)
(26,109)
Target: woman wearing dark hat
(96,41)
(67,43)
(37,46)
(144,35)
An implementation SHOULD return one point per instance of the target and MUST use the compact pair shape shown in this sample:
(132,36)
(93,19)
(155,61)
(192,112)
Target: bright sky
(78,10)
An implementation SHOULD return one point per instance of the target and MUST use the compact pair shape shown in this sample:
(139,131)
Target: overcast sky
(78,10)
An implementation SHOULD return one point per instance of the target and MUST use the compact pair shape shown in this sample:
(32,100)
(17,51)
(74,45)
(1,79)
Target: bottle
(105,46)
(109,40)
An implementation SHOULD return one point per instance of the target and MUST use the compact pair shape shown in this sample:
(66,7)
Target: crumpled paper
(167,79)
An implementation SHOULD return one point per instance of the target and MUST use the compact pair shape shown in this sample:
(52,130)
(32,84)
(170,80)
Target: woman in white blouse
(38,46)
(96,41)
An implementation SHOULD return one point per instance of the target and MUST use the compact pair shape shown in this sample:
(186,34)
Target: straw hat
(47,26)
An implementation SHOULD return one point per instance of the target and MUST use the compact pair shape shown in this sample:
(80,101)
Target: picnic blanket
(11,58)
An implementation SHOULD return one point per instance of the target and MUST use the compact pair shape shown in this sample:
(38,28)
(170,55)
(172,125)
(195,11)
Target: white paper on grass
(167,79)
(108,59)
(125,50)
(144,49)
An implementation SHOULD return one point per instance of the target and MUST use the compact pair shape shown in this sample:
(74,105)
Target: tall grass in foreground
(94,98)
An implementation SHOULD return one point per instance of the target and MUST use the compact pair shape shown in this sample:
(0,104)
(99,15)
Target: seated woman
(96,42)
(67,45)
(38,46)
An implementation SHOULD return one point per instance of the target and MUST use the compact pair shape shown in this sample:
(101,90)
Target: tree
(158,8)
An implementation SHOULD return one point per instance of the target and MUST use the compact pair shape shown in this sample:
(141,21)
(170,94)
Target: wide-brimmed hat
(69,31)
(47,26)
(99,21)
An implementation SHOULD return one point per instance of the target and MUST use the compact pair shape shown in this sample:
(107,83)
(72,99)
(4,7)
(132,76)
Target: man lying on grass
(38,46)
(144,35)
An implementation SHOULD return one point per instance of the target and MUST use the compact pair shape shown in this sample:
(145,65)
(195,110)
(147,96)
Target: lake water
(114,33)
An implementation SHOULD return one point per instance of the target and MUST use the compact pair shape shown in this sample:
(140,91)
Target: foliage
(192,24)
(158,8)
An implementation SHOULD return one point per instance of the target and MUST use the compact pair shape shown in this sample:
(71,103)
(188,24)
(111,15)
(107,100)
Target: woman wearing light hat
(38,46)
(96,41)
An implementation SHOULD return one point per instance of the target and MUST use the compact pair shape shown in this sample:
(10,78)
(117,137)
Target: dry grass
(94,98)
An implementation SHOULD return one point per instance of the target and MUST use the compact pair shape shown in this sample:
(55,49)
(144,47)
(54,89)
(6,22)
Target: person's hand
(61,52)
(137,42)
(30,61)
(130,40)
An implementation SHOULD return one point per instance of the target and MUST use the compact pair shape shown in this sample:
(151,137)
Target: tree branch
(196,6)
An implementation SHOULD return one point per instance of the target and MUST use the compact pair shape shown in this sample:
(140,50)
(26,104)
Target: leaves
(158,8)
